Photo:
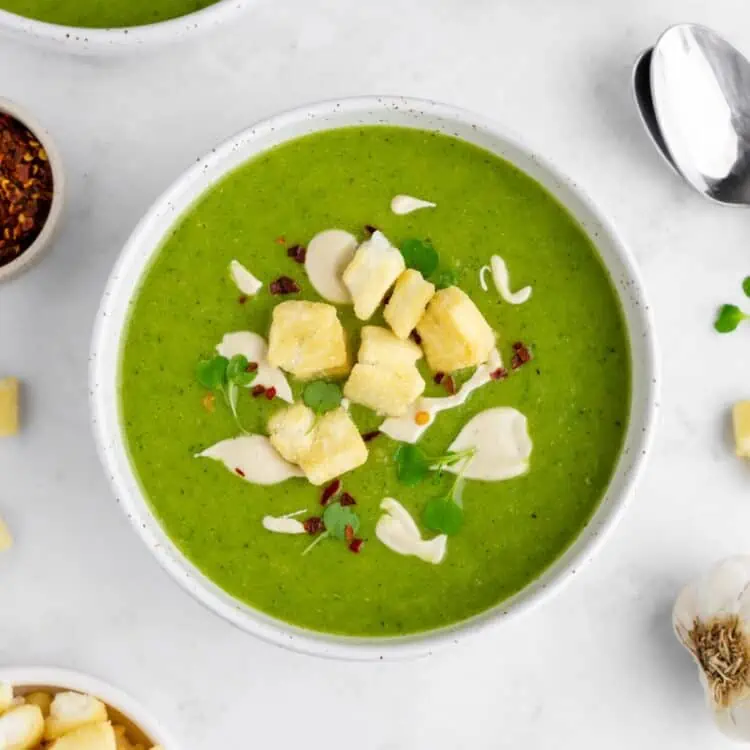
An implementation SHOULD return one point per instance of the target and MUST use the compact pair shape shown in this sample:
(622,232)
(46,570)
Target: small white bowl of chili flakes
(31,189)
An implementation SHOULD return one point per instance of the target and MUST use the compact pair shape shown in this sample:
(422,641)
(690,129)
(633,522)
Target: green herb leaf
(337,517)
(746,286)
(729,317)
(321,396)
(212,373)
(237,371)
(444,278)
(443,515)
(412,465)
(420,255)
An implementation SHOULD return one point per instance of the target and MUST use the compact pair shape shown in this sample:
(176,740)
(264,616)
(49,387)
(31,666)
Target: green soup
(103,13)
(575,392)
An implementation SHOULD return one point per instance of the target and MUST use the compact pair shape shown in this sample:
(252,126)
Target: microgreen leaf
(237,371)
(321,396)
(746,286)
(420,255)
(336,517)
(443,515)
(212,373)
(444,278)
(728,318)
(412,465)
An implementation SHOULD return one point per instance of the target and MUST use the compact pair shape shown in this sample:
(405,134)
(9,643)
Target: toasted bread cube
(6,541)
(454,333)
(381,347)
(43,700)
(6,689)
(408,302)
(388,391)
(21,728)
(8,407)
(337,448)
(69,711)
(308,340)
(741,420)
(98,736)
(291,431)
(371,273)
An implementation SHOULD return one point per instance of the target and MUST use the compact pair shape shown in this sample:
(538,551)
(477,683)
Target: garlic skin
(719,601)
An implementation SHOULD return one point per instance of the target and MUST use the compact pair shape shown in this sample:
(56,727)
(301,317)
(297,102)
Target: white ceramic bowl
(44,240)
(141,725)
(103,41)
(145,241)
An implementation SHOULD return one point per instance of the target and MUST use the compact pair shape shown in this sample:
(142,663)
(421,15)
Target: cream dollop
(405,428)
(501,278)
(252,458)
(254,347)
(501,442)
(328,254)
(405,204)
(283,525)
(245,281)
(397,530)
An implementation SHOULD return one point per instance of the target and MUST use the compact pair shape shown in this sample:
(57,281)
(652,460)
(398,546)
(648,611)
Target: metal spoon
(641,83)
(700,87)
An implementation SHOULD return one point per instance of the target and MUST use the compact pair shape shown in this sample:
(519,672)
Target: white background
(595,667)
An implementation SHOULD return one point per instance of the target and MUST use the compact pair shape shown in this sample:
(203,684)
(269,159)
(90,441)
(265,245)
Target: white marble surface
(595,667)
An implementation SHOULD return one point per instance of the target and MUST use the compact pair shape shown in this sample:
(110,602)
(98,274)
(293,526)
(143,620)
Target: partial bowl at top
(125,25)
(592,430)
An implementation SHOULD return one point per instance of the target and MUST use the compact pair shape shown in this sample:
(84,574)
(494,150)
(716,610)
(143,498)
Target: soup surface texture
(575,393)
(103,13)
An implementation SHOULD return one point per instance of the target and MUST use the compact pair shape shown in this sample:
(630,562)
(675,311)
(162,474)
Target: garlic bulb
(711,618)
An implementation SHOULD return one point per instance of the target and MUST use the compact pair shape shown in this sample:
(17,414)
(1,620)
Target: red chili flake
(239,471)
(347,499)
(370,229)
(439,377)
(297,253)
(26,186)
(500,374)
(368,436)
(280,240)
(313,525)
(449,384)
(284,285)
(251,367)
(329,491)
(523,352)
(242,299)
(356,545)
(258,390)
(515,363)
(415,337)
(349,533)
(271,393)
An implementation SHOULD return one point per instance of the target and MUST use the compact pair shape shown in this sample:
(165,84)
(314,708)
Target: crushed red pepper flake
(297,253)
(500,374)
(239,471)
(368,436)
(25,188)
(349,533)
(356,545)
(258,390)
(313,525)
(329,491)
(449,384)
(284,285)
(271,393)
(280,240)
(251,367)
(242,299)
(347,499)
(439,377)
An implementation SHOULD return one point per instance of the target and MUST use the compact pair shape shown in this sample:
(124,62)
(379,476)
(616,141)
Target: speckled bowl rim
(81,40)
(146,239)
(68,679)
(46,237)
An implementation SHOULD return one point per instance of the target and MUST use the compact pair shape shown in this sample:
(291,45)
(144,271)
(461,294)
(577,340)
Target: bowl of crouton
(59,709)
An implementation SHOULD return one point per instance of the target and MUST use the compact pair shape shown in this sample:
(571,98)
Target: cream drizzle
(501,442)
(328,254)
(406,204)
(252,458)
(254,347)
(501,278)
(245,281)
(397,530)
(406,430)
